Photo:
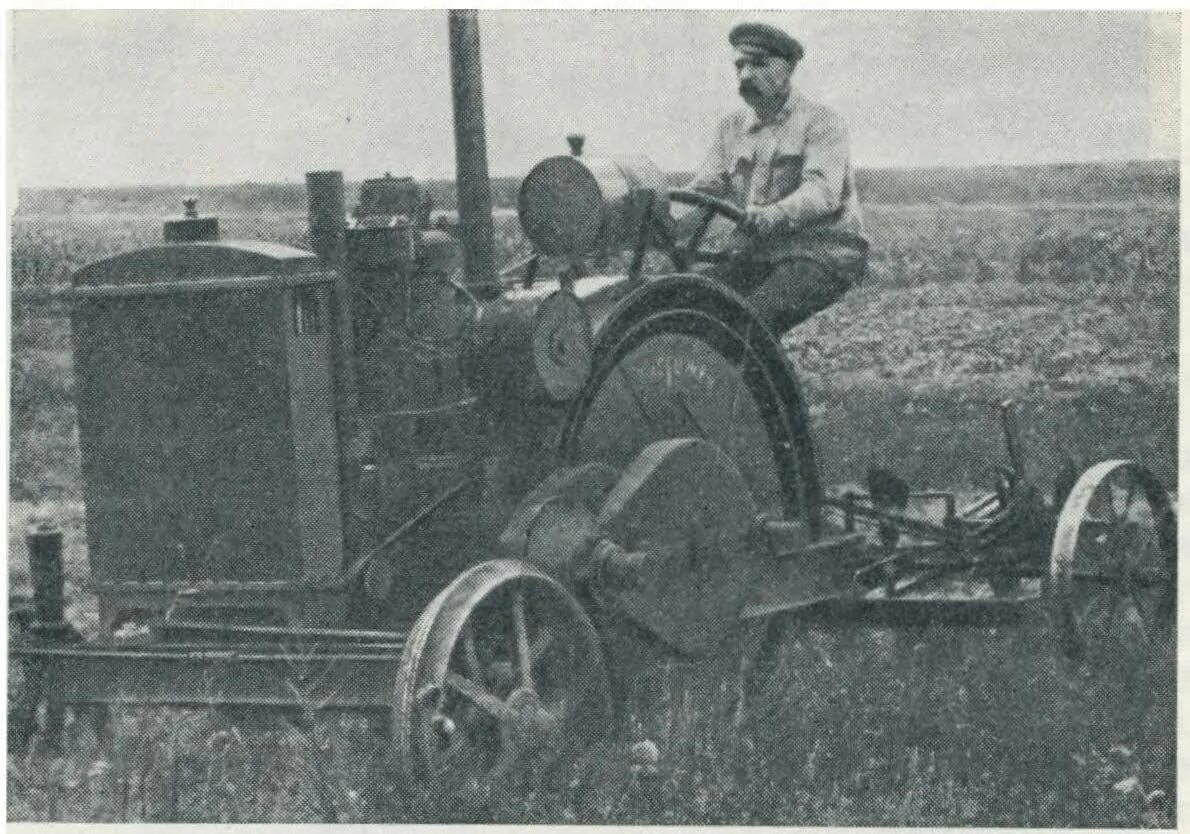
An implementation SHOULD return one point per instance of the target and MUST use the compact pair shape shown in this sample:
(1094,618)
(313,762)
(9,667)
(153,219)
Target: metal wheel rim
(435,649)
(1110,576)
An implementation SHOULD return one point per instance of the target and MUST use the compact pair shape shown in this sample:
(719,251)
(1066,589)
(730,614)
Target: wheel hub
(530,725)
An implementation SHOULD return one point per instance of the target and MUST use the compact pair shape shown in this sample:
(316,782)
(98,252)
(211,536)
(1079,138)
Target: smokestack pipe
(327,215)
(471,153)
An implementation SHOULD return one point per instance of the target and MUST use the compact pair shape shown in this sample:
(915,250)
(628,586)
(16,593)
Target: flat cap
(769,38)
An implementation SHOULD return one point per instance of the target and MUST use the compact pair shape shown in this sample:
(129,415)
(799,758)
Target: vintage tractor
(380,476)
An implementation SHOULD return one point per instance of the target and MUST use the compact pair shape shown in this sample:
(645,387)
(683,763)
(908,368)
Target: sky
(170,97)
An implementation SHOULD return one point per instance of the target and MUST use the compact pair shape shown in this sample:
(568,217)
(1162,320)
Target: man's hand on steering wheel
(688,252)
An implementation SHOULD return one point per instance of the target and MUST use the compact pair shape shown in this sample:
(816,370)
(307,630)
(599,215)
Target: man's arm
(714,176)
(824,173)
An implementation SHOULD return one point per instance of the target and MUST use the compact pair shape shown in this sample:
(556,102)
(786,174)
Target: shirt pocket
(787,173)
(741,175)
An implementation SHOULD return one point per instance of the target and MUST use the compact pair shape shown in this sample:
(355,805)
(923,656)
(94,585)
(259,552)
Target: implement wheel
(501,675)
(1113,571)
(686,357)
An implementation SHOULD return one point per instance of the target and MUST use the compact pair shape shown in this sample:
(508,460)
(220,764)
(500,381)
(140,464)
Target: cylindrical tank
(532,346)
(572,206)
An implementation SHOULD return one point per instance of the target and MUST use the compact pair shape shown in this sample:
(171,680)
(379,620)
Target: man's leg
(795,290)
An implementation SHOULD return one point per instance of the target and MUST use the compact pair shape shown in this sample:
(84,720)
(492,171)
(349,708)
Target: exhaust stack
(471,154)
(327,215)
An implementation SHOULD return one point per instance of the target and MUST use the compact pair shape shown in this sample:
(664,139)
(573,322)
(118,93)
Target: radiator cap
(190,227)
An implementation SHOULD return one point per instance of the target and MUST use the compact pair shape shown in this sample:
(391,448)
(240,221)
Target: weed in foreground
(850,726)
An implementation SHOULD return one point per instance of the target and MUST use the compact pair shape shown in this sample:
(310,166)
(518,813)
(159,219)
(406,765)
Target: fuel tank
(572,206)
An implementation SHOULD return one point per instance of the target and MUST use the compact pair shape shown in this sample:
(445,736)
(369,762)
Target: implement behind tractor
(381,477)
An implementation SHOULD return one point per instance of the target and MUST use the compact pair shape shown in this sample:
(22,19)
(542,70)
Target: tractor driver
(784,159)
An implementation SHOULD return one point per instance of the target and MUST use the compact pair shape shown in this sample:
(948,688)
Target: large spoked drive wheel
(686,357)
(501,676)
(1113,571)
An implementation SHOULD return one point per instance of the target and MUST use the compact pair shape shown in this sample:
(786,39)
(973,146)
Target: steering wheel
(683,254)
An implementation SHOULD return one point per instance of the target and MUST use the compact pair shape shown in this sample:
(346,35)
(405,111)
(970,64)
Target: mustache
(748,88)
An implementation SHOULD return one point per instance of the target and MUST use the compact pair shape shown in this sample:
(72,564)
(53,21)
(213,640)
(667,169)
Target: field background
(1055,285)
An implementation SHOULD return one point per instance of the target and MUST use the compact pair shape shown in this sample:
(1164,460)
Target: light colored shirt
(798,161)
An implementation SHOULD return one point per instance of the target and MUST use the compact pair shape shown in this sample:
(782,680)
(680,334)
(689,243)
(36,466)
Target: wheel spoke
(524,657)
(471,654)
(1148,580)
(476,694)
(1110,487)
(541,644)
(1129,496)
(1144,611)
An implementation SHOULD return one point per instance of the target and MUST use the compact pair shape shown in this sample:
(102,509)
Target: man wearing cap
(785,160)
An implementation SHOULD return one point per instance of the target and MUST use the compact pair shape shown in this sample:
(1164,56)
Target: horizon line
(442,178)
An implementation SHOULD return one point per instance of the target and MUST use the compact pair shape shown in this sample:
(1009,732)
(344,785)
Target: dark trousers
(785,293)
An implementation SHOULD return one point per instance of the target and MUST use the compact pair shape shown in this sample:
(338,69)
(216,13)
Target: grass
(853,725)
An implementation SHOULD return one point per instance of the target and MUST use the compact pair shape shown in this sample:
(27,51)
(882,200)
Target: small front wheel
(501,675)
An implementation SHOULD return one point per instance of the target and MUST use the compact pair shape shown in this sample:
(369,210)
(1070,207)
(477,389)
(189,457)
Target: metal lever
(1012,438)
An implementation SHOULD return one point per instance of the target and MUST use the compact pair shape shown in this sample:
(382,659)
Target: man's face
(763,78)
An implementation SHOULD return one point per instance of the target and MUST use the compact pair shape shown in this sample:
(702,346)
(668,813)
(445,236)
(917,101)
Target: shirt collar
(754,123)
